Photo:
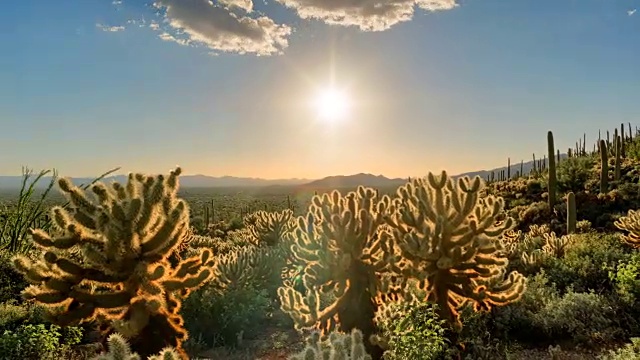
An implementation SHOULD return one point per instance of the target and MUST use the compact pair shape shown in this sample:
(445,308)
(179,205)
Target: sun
(332,104)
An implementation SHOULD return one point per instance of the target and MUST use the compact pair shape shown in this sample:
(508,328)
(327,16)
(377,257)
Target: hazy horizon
(230,89)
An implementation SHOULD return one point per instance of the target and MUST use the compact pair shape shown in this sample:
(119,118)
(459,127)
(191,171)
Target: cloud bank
(368,15)
(220,28)
(232,25)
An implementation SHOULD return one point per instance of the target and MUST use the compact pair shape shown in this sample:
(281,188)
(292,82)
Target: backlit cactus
(345,258)
(337,347)
(631,224)
(449,239)
(269,228)
(109,261)
(119,349)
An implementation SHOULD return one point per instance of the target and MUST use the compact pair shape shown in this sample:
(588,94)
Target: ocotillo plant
(110,261)
(338,240)
(552,171)
(604,167)
(571,213)
(508,168)
(449,238)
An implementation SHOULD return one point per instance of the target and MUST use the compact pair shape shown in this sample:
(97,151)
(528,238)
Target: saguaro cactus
(616,169)
(449,238)
(552,170)
(110,261)
(604,167)
(571,213)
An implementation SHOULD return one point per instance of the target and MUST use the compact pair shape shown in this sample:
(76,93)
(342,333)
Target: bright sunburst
(332,104)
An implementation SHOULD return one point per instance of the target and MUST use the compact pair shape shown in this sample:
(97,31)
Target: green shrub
(412,330)
(626,278)
(586,263)
(11,282)
(573,173)
(219,319)
(628,352)
(39,342)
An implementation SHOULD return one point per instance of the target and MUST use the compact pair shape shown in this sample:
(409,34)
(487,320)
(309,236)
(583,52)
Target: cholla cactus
(109,261)
(345,258)
(554,245)
(583,226)
(631,224)
(119,349)
(270,228)
(245,266)
(538,230)
(533,260)
(511,240)
(339,346)
(449,240)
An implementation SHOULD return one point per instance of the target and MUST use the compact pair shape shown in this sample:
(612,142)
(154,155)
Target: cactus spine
(571,213)
(552,170)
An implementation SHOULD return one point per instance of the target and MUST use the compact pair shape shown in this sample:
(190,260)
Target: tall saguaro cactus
(109,261)
(604,167)
(616,169)
(571,213)
(448,240)
(552,170)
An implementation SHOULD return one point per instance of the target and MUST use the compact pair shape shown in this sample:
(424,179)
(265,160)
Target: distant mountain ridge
(192,181)
(330,182)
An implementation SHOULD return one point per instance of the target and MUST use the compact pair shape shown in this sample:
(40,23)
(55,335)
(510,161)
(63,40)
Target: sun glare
(332,104)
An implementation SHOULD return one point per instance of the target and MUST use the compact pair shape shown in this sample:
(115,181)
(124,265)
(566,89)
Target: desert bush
(573,173)
(586,264)
(626,278)
(218,319)
(411,330)
(11,281)
(38,342)
(544,315)
(628,352)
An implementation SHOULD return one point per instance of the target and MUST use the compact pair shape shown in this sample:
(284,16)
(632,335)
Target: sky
(230,87)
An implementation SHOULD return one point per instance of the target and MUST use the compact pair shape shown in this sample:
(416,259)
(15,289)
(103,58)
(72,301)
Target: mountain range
(330,182)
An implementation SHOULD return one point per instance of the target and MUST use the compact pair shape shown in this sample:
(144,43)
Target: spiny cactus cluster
(337,241)
(119,349)
(269,228)
(338,346)
(361,250)
(109,261)
(631,224)
(448,238)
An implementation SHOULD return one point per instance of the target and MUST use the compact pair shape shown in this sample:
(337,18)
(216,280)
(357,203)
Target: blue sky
(90,85)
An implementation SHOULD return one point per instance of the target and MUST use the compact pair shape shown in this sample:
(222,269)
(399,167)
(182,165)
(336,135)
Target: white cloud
(116,2)
(220,29)
(631,12)
(109,28)
(246,5)
(368,15)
